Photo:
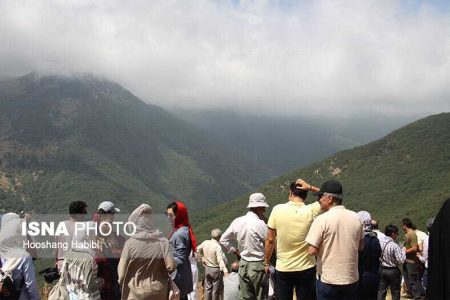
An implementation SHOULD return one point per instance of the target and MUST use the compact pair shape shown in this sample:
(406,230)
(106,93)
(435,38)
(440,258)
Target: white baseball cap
(257,200)
(108,206)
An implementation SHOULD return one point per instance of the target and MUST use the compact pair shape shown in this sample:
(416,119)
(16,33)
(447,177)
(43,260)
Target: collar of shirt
(296,203)
(388,239)
(336,207)
(253,215)
(216,241)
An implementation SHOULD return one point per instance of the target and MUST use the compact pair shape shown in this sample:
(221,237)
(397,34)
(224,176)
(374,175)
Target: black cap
(331,187)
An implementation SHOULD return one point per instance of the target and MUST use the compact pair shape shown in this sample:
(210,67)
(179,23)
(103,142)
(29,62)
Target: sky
(323,58)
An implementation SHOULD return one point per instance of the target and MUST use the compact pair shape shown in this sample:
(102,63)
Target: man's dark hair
(390,229)
(173,206)
(408,223)
(294,188)
(77,208)
(337,200)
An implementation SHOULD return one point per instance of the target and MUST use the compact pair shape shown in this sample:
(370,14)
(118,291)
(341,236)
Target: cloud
(263,56)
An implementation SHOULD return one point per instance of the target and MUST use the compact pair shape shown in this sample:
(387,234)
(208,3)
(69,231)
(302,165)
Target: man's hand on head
(302,184)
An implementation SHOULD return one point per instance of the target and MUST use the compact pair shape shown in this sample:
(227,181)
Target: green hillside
(65,138)
(405,174)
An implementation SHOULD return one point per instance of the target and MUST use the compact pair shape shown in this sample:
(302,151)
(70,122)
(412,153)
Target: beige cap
(257,200)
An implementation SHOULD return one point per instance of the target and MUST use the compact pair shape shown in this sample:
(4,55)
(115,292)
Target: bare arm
(270,246)
(306,186)
(313,250)
(411,250)
(414,244)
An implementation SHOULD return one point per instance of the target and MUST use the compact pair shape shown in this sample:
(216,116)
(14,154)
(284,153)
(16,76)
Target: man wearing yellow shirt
(289,224)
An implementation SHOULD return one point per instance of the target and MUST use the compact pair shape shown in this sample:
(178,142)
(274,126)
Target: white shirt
(420,237)
(380,235)
(425,251)
(250,233)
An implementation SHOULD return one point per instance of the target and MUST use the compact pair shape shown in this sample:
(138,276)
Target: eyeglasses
(328,194)
(320,196)
(169,215)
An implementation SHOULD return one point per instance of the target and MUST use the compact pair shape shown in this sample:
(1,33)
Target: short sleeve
(272,224)
(314,237)
(315,207)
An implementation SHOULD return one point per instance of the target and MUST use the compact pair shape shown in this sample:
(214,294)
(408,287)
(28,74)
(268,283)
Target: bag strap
(61,278)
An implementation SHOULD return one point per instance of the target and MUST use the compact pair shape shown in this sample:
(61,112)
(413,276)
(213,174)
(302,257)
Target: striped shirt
(231,286)
(392,255)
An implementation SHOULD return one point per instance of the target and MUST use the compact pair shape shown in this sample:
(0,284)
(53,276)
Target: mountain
(286,143)
(65,138)
(404,174)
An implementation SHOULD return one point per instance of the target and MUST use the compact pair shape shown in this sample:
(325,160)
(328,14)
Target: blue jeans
(326,291)
(304,283)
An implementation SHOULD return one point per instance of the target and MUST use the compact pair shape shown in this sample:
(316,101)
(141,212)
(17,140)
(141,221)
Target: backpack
(8,290)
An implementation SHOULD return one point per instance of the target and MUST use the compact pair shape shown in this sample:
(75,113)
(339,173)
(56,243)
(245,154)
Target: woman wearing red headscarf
(183,241)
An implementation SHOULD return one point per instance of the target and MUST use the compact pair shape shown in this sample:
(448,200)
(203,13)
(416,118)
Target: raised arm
(306,186)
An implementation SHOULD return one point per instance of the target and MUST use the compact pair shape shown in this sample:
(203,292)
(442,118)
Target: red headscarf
(182,219)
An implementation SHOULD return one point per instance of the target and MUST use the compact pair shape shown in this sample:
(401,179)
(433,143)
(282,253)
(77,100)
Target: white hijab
(142,217)
(11,242)
(366,220)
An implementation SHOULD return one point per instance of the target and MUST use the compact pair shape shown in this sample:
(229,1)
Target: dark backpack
(8,290)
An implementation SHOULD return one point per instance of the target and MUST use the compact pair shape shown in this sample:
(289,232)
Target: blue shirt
(181,243)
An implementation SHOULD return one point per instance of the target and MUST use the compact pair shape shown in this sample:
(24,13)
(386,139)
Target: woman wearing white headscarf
(79,270)
(146,260)
(16,262)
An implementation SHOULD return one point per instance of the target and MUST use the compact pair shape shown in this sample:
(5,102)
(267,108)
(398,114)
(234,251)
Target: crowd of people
(319,251)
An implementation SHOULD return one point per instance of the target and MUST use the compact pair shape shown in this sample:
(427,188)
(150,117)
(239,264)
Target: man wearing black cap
(335,238)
